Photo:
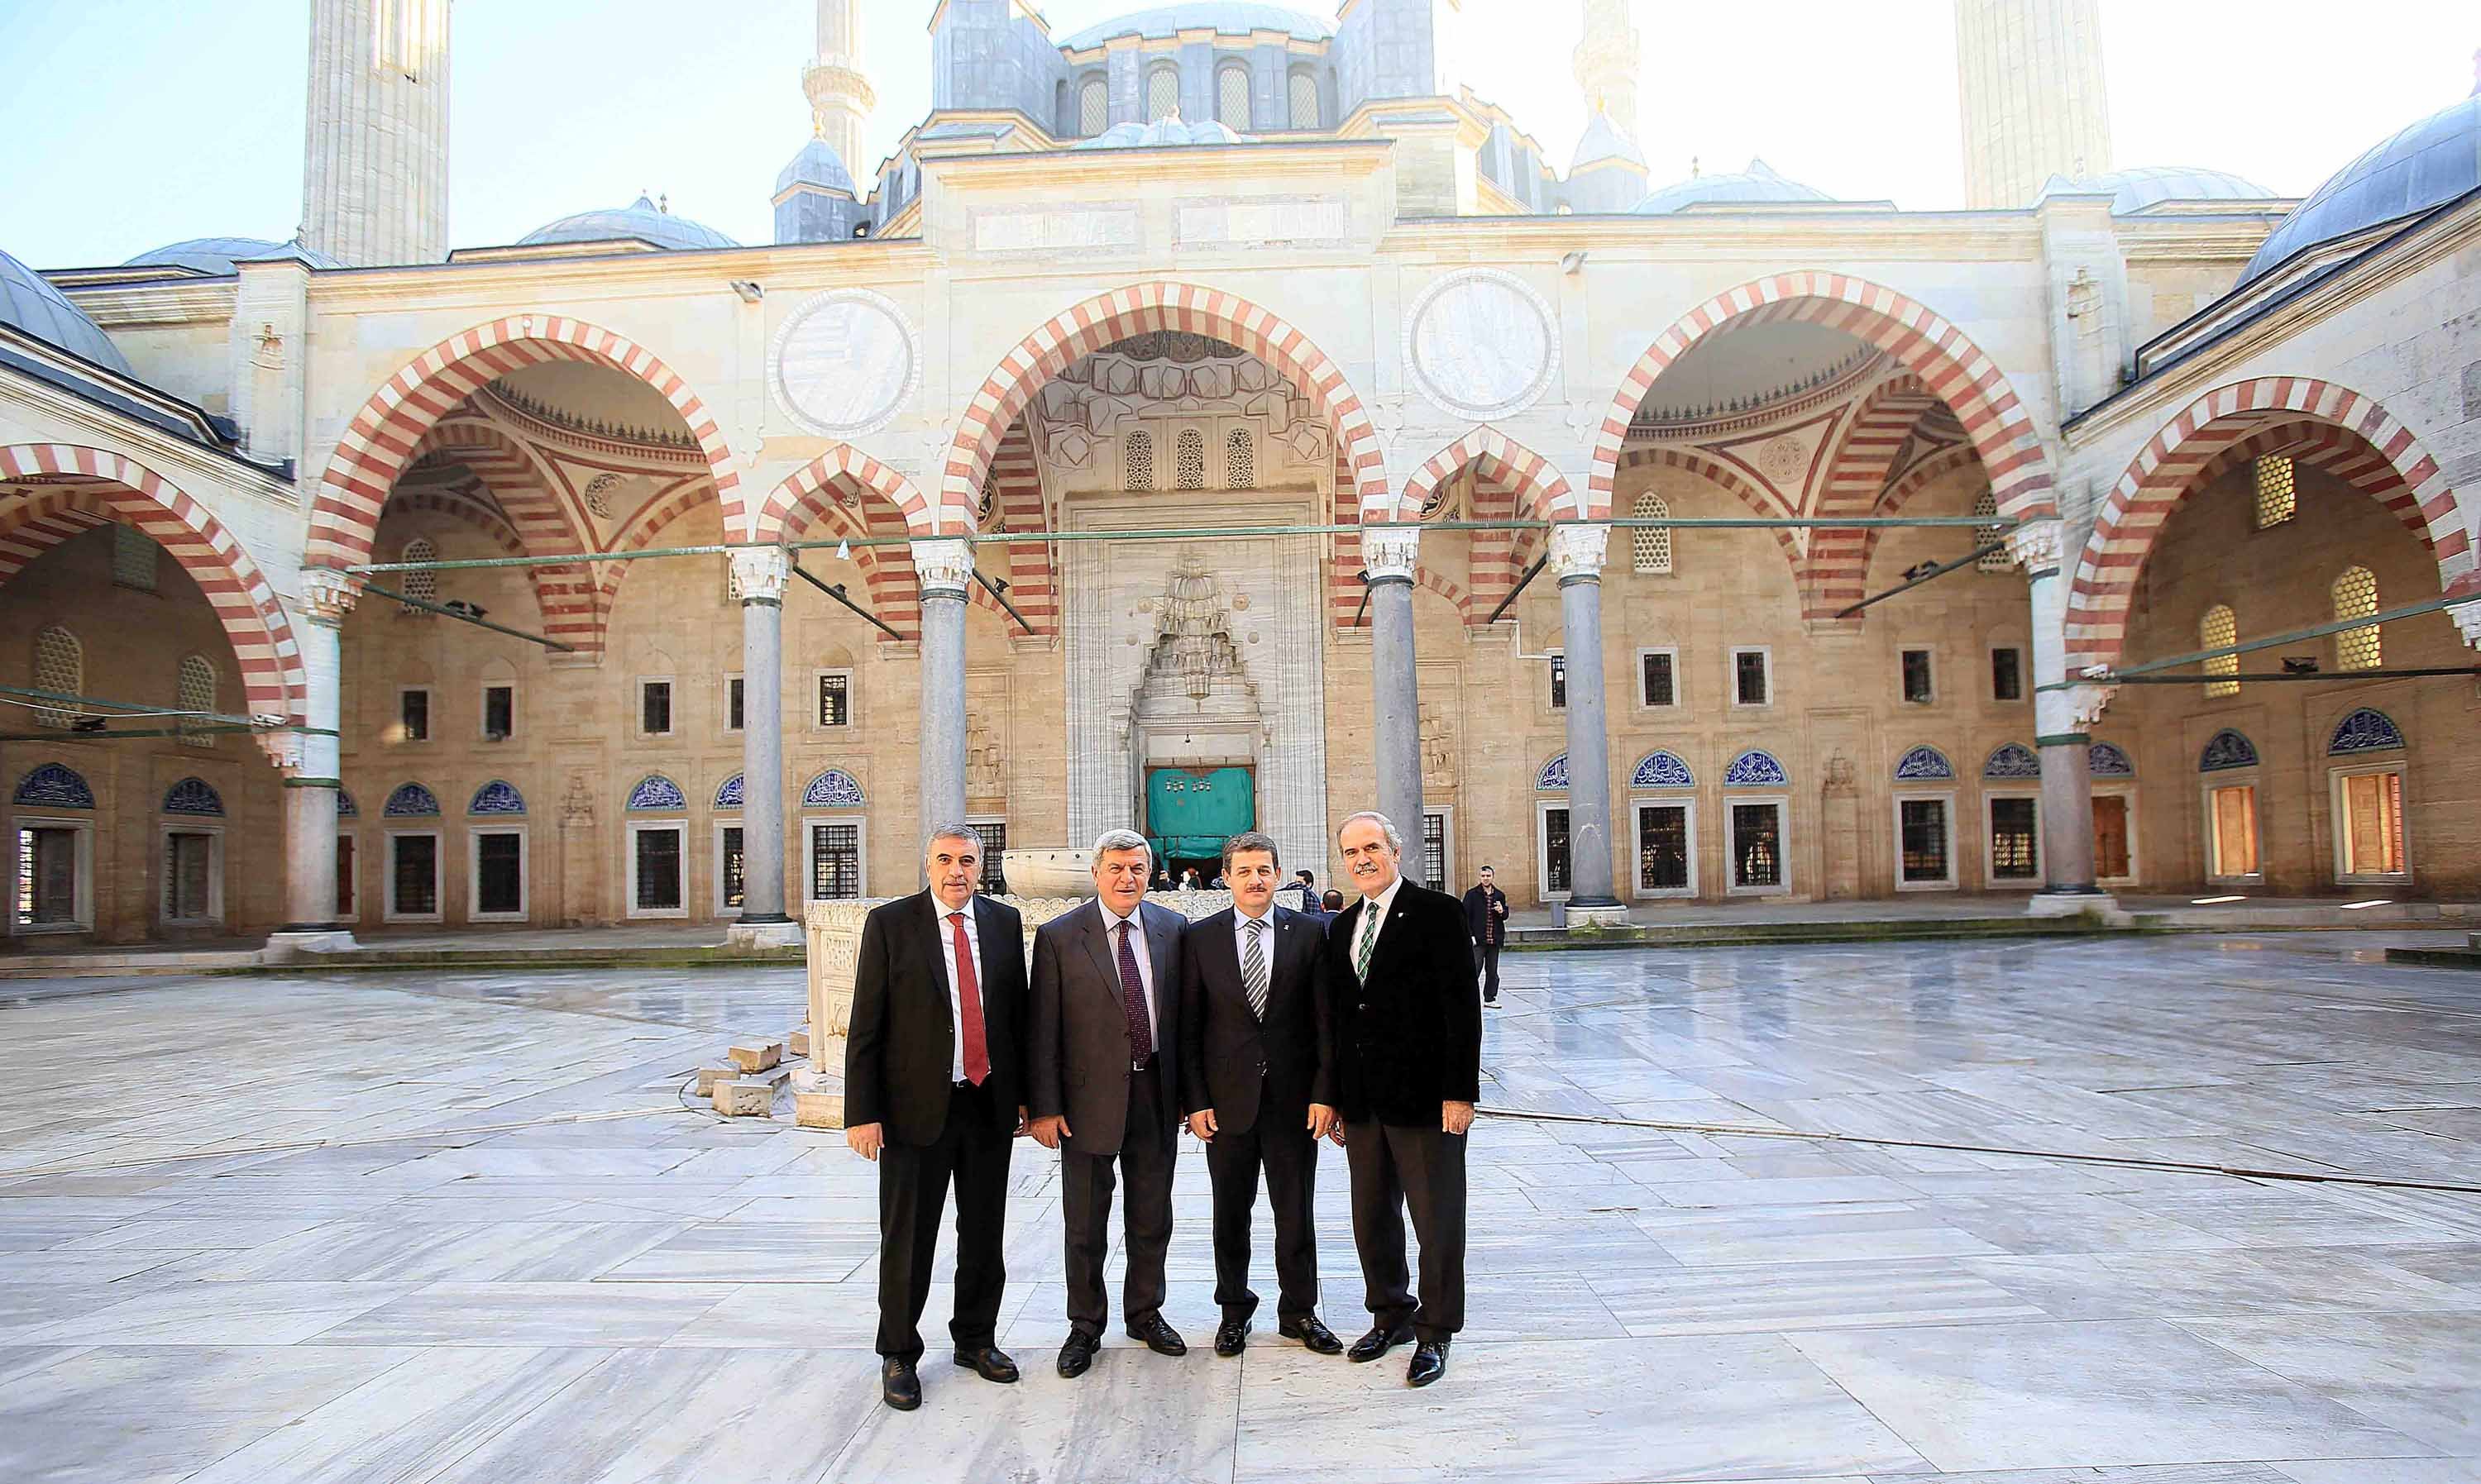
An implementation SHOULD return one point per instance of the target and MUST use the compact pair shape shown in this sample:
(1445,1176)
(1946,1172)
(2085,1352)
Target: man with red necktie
(933,1091)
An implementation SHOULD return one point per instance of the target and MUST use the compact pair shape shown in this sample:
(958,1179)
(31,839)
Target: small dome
(2426,164)
(1171,130)
(1603,142)
(1224,17)
(217,256)
(2132,190)
(816,164)
(640,219)
(29,302)
(1758,183)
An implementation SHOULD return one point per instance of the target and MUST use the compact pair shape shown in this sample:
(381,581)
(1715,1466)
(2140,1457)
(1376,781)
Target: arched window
(1304,100)
(2219,628)
(1061,118)
(1138,461)
(1986,504)
(1094,106)
(419,584)
(1239,461)
(2276,496)
(2356,596)
(1232,96)
(60,666)
(1163,91)
(1652,544)
(198,692)
(1188,459)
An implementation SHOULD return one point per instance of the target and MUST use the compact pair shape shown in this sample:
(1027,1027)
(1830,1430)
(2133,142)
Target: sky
(131,124)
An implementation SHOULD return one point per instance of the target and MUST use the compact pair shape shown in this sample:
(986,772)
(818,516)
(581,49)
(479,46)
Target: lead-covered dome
(2132,190)
(2426,164)
(1170,130)
(1603,142)
(818,165)
(29,302)
(642,220)
(1224,17)
(1758,184)
(218,256)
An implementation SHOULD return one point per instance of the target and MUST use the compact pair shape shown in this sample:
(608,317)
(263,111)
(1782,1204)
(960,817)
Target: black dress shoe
(1231,1337)
(1160,1337)
(1078,1353)
(1377,1342)
(988,1362)
(897,1386)
(1313,1334)
(1430,1362)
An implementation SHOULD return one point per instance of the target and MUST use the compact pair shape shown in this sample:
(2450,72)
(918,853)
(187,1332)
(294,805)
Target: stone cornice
(872,261)
(185,463)
(159,302)
(1288,159)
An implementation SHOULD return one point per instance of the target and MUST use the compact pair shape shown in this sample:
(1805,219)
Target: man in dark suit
(932,1075)
(1486,919)
(1408,1070)
(1255,1053)
(1103,1077)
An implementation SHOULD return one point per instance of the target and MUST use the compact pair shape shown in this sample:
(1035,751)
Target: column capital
(328,595)
(2089,701)
(944,565)
(2035,546)
(1390,554)
(1576,551)
(2467,622)
(761,573)
(289,751)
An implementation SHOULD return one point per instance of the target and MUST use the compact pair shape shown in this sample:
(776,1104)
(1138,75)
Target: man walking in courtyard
(932,1092)
(1486,919)
(1408,1061)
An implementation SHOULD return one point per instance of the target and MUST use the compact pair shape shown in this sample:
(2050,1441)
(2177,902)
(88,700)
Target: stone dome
(1603,142)
(1759,183)
(2424,165)
(29,302)
(1169,131)
(217,256)
(2132,191)
(1224,17)
(817,165)
(640,219)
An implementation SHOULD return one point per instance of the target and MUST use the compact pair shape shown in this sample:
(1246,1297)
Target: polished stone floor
(409,1227)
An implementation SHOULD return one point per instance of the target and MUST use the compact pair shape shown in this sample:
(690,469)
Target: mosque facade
(1227,417)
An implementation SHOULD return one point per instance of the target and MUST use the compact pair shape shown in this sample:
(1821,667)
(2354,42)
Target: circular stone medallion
(845,363)
(1481,344)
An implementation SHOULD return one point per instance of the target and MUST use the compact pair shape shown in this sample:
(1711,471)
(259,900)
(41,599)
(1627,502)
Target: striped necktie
(1253,969)
(1369,941)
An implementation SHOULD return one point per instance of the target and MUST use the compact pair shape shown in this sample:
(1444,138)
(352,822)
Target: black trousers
(1486,961)
(973,1149)
(1395,1167)
(1284,1149)
(1147,1151)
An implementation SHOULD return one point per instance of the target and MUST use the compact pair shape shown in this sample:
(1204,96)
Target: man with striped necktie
(1254,1029)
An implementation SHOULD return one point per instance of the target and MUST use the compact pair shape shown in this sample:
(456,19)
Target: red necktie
(969,995)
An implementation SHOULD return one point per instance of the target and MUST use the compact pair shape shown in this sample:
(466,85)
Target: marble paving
(1823,1214)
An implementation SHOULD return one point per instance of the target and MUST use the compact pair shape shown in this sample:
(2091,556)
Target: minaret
(375,172)
(2034,106)
(1606,63)
(840,95)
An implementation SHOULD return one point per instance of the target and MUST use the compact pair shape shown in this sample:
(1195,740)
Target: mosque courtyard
(412,1226)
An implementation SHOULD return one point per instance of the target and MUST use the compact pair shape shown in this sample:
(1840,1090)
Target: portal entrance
(1190,812)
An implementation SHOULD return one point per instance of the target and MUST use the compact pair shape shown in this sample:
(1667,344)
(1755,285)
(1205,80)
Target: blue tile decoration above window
(346,807)
(2366,730)
(54,787)
(2226,750)
(195,796)
(1752,769)
(1923,765)
(656,791)
(834,788)
(410,801)
(2108,760)
(1552,778)
(1661,768)
(728,796)
(497,796)
(2012,760)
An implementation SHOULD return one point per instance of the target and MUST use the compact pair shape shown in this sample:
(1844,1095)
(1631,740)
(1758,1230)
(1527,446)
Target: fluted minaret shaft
(2031,73)
(375,171)
(840,93)
(1606,63)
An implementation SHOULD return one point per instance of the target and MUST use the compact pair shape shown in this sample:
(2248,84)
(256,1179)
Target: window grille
(197,692)
(1239,461)
(1232,99)
(2276,496)
(1986,504)
(1304,102)
(133,558)
(2219,628)
(1138,461)
(420,585)
(1093,107)
(2356,596)
(1163,92)
(1652,544)
(60,666)
(1188,459)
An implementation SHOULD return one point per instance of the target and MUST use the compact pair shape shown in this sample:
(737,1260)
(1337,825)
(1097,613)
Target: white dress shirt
(1137,950)
(1377,906)
(1241,921)
(956,999)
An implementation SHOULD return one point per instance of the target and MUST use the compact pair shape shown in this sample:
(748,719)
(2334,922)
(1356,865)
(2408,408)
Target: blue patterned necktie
(1133,1001)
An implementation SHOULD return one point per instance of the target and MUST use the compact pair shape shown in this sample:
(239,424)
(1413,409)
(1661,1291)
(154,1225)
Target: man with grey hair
(1102,1084)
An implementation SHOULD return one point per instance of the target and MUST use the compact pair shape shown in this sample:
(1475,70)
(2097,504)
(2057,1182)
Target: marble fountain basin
(1060,872)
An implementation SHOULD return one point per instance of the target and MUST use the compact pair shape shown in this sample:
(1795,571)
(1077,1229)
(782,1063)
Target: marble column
(762,575)
(2059,731)
(946,568)
(1577,560)
(311,760)
(1389,556)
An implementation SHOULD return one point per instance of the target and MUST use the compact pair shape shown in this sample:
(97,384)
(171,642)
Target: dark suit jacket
(1482,924)
(1410,1037)
(1077,1049)
(1229,1057)
(900,1050)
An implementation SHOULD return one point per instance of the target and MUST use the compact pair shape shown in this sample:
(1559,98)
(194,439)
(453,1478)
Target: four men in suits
(1257,1068)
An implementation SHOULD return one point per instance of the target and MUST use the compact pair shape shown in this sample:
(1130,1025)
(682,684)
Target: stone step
(751,1096)
(756,1056)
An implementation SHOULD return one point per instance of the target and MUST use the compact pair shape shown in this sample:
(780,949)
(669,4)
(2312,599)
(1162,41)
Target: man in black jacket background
(1486,919)
(1408,1071)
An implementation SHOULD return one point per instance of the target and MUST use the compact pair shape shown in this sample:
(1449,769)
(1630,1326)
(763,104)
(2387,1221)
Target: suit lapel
(1098,944)
(983,966)
(1223,958)
(1161,937)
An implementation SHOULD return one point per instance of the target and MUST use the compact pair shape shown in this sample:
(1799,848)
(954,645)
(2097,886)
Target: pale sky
(130,123)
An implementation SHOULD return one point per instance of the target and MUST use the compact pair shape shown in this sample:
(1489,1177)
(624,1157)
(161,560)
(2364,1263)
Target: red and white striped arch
(1542,490)
(35,524)
(1857,472)
(1719,472)
(1921,475)
(2204,437)
(1950,366)
(543,524)
(555,590)
(384,435)
(1033,582)
(807,504)
(1134,310)
(254,621)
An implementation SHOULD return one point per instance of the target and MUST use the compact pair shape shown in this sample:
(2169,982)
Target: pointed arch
(382,436)
(560,593)
(1715,471)
(2262,412)
(1541,489)
(254,621)
(1858,471)
(1921,475)
(1949,365)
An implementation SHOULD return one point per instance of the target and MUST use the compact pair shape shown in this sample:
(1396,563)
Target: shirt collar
(943,911)
(1110,919)
(1384,900)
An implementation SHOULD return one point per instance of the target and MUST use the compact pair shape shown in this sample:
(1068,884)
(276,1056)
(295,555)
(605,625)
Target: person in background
(1486,918)
(1331,904)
